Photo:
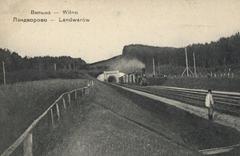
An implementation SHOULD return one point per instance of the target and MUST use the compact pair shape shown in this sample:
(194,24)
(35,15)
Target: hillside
(219,56)
(106,63)
(121,63)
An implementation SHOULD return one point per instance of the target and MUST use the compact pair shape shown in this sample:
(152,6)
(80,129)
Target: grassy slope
(21,103)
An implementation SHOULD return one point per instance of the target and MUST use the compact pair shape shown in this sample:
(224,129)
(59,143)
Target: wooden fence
(26,138)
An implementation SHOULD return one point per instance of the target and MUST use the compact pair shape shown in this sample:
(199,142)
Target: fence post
(64,104)
(52,118)
(58,112)
(69,98)
(27,145)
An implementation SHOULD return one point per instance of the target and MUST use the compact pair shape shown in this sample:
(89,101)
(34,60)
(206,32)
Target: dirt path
(153,128)
(104,134)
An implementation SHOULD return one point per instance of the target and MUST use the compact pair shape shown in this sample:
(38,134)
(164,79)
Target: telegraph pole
(187,68)
(4,72)
(194,65)
(154,72)
(186,58)
(55,67)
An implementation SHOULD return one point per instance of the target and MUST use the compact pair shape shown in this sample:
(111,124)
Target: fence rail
(27,136)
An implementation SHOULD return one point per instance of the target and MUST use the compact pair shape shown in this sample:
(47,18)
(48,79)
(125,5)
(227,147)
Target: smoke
(127,66)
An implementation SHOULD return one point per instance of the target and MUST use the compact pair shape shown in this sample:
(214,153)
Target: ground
(122,123)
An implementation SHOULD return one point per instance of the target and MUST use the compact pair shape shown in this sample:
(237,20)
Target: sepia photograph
(120,78)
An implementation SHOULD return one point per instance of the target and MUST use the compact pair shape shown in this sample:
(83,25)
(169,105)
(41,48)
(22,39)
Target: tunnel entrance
(112,79)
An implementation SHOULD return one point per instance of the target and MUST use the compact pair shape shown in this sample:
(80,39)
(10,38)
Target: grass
(21,103)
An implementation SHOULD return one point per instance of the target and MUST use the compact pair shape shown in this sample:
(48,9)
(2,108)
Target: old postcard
(119,78)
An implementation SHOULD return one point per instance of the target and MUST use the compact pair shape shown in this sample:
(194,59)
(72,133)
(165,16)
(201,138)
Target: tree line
(14,62)
(222,53)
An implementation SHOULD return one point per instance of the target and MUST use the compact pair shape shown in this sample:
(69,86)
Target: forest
(20,68)
(223,53)
(13,61)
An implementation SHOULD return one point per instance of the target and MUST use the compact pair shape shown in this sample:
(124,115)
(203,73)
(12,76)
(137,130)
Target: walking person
(209,103)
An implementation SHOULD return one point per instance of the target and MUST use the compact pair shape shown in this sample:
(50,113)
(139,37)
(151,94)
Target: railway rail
(153,94)
(226,102)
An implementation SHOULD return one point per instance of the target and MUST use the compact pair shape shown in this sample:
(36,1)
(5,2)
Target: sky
(113,24)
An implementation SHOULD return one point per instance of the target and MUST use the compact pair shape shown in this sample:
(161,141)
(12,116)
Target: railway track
(190,96)
(226,102)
